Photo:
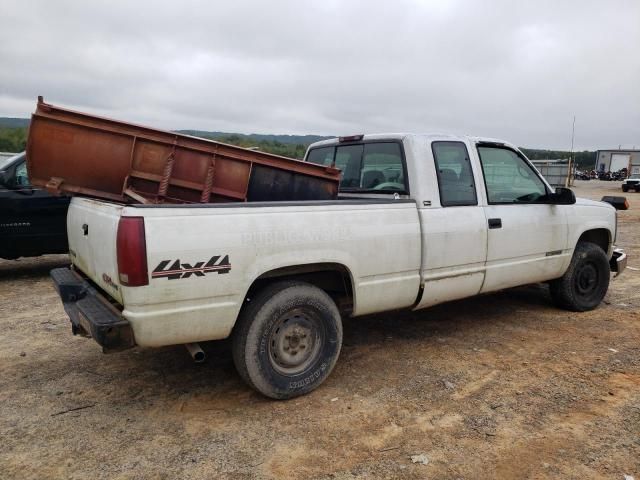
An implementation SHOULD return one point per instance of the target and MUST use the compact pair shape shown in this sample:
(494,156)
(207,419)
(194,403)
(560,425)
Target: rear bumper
(618,261)
(90,313)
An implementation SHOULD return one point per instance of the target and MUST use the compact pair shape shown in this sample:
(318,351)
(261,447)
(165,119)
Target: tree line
(15,140)
(585,160)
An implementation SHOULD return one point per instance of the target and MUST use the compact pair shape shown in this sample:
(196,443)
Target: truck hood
(592,203)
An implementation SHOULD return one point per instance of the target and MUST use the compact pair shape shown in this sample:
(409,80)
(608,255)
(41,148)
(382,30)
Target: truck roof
(418,136)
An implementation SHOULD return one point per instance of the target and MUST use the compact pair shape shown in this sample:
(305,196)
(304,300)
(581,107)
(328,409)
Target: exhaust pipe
(196,352)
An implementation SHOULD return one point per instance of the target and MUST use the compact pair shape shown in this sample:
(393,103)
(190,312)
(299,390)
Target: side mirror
(3,179)
(562,196)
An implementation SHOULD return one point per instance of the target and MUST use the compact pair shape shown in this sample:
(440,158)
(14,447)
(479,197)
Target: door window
(455,177)
(509,178)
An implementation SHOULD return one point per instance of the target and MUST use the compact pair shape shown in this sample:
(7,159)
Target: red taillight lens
(132,252)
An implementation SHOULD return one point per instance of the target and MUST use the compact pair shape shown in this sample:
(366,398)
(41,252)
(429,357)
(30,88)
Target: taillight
(132,252)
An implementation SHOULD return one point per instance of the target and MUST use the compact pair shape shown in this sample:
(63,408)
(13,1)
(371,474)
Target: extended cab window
(373,167)
(508,177)
(455,177)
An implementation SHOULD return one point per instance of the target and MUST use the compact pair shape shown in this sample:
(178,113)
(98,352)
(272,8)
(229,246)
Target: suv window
(22,179)
(373,167)
(508,177)
(455,176)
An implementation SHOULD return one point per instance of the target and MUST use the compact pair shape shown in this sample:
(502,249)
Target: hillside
(9,122)
(13,135)
(257,137)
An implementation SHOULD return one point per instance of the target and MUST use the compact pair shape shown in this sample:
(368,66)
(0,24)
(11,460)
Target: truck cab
(487,216)
(32,222)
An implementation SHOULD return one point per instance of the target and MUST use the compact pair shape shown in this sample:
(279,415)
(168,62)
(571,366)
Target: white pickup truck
(420,220)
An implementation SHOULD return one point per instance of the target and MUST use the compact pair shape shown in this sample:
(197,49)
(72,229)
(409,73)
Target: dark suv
(32,222)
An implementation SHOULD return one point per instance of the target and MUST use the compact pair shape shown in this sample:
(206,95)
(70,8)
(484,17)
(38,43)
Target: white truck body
(391,250)
(379,244)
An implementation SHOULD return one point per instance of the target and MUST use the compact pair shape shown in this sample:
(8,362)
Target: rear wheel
(287,339)
(625,188)
(585,283)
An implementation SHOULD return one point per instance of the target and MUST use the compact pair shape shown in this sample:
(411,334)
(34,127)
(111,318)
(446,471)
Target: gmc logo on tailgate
(217,263)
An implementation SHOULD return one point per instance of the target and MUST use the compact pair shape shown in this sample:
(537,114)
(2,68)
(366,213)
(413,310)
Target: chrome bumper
(618,261)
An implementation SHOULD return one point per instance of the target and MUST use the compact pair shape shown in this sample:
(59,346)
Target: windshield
(635,176)
(5,161)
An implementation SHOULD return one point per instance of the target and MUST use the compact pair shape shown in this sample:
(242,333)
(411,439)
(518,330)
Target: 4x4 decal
(217,263)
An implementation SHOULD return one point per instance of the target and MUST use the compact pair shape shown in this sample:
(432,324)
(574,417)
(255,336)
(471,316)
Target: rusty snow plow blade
(77,153)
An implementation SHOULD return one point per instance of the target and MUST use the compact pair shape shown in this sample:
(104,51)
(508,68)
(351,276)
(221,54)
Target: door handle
(495,223)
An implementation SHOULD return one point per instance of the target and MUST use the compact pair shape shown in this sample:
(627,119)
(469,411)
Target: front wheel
(287,339)
(585,283)
(625,188)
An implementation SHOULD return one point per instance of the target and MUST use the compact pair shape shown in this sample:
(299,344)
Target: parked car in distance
(32,222)
(631,183)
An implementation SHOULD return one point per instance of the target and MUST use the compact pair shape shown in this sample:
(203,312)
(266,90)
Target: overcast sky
(501,69)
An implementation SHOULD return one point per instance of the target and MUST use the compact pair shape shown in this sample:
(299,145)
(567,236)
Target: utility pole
(572,162)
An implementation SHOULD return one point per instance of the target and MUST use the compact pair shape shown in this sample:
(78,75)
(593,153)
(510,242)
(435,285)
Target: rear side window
(455,176)
(376,167)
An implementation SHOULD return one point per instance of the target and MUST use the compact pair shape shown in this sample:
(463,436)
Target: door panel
(527,238)
(530,246)
(454,251)
(33,222)
(454,235)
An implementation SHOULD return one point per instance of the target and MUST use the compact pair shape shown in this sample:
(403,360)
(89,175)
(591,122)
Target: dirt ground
(499,386)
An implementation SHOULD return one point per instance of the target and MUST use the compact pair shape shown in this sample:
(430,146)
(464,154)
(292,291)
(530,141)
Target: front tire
(625,188)
(287,339)
(586,281)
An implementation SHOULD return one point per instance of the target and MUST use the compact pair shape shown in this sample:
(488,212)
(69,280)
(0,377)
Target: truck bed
(202,259)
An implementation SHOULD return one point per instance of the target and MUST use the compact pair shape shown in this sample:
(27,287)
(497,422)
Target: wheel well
(333,278)
(599,236)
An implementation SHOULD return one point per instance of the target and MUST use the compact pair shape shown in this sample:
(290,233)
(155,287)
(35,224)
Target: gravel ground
(498,386)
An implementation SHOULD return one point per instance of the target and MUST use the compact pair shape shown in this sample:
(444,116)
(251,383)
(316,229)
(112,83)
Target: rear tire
(625,188)
(287,339)
(586,281)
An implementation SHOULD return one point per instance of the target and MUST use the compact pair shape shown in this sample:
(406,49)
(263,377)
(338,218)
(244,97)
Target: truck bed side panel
(205,260)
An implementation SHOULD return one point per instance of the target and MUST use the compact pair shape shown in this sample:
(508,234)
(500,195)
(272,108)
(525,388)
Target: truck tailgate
(92,228)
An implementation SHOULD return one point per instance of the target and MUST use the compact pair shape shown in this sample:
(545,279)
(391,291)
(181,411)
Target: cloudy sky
(513,70)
